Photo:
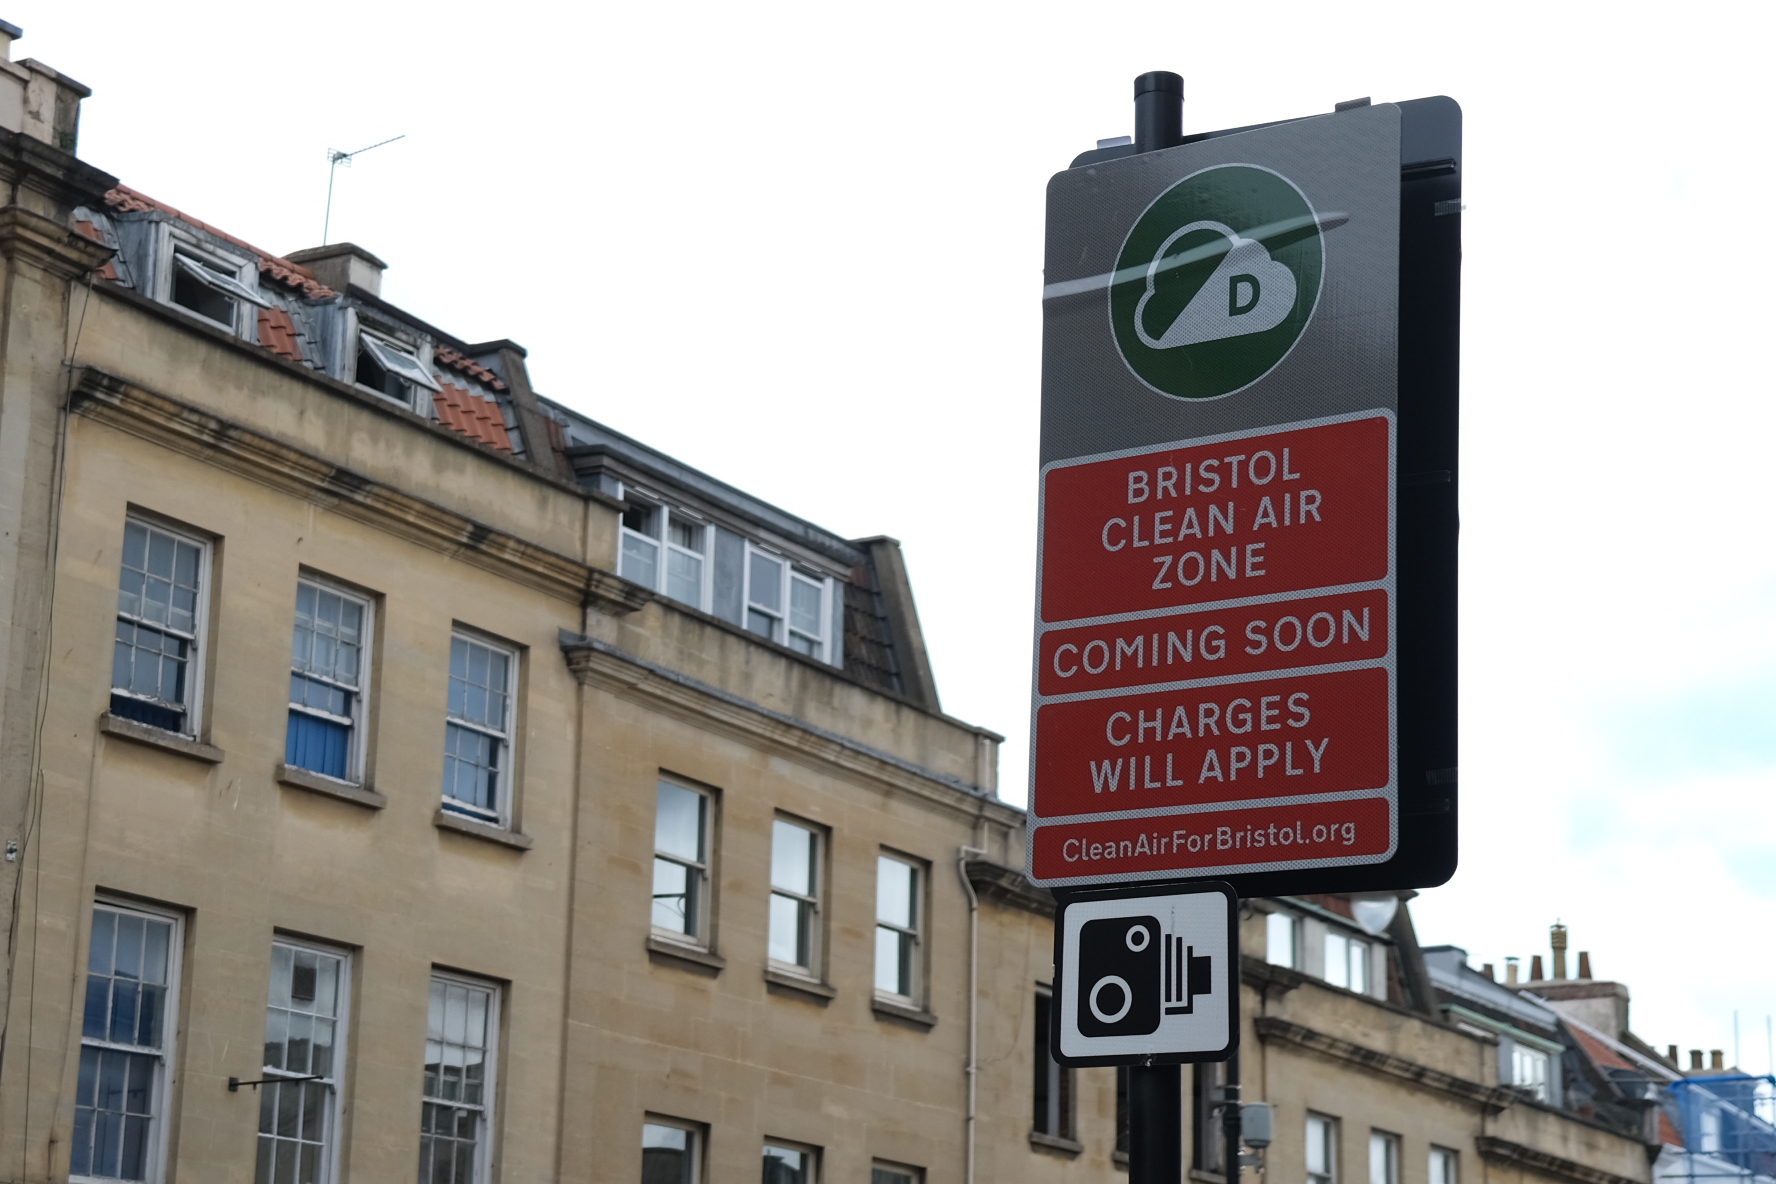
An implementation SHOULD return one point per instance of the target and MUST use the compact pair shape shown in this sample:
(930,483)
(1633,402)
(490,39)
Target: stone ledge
(129,729)
(1055,1145)
(357,795)
(895,1011)
(445,820)
(683,957)
(780,983)
(1508,1154)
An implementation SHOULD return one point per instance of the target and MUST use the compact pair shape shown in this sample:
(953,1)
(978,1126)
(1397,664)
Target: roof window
(390,370)
(210,286)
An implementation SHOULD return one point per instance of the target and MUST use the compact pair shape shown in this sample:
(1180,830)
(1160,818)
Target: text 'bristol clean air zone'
(1215,642)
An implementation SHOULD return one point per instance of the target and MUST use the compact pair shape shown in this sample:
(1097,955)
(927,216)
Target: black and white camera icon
(1145,975)
(1132,972)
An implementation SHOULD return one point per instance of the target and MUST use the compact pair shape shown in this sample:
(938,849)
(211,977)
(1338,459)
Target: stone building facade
(403,775)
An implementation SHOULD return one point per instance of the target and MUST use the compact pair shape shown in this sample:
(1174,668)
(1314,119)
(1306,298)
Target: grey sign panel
(1146,977)
(1341,344)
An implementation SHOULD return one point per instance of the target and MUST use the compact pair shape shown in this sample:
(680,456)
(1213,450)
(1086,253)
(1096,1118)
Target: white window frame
(914,934)
(780,627)
(812,1152)
(665,547)
(1327,1130)
(1384,1157)
(341,1031)
(702,929)
(165,1075)
(1356,953)
(241,269)
(1525,1054)
(421,377)
(1448,1158)
(502,813)
(912,1174)
(490,1089)
(1275,924)
(200,625)
(354,761)
(810,907)
(694,1136)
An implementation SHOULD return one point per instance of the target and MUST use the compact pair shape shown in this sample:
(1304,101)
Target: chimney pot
(1715,1059)
(1535,969)
(1585,964)
(1487,971)
(1695,1060)
(339,265)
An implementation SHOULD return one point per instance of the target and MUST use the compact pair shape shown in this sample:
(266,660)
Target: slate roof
(310,324)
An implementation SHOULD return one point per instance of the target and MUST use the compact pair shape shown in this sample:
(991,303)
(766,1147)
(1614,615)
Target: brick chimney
(1695,1060)
(1585,964)
(342,265)
(1716,1061)
(1557,940)
(1535,969)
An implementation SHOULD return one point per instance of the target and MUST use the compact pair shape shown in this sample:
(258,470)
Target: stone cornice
(601,665)
(1503,1151)
(195,433)
(1492,1099)
(1008,888)
(48,244)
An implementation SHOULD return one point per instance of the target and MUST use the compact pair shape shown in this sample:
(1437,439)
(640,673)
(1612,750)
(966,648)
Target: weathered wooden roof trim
(601,664)
(183,428)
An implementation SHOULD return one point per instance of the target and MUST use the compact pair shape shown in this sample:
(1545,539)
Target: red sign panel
(1268,514)
(1214,684)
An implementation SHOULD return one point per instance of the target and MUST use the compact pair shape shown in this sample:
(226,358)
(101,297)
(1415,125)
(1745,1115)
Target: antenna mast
(335,158)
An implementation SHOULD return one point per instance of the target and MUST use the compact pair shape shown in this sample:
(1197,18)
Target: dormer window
(786,603)
(210,285)
(390,369)
(695,562)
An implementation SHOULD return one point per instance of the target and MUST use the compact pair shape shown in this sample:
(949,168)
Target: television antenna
(335,158)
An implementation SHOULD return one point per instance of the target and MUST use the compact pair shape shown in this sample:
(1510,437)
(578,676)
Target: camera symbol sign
(1146,976)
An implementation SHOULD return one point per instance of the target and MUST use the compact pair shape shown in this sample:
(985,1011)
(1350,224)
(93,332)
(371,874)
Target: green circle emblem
(1216,281)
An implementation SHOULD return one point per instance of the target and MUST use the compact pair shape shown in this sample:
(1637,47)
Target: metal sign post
(1245,632)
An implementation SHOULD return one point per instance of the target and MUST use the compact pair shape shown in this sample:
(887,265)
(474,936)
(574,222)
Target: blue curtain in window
(318,745)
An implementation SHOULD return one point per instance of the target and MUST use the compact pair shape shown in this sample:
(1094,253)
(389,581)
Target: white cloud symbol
(1249,292)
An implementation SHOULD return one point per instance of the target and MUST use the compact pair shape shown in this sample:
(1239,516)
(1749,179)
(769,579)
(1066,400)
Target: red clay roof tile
(277,333)
(89,230)
(445,356)
(475,417)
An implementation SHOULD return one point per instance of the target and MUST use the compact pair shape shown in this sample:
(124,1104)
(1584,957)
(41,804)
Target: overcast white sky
(799,246)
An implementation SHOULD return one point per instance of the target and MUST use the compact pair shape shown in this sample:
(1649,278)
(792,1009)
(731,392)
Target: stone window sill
(1119,1160)
(683,957)
(1055,1145)
(129,729)
(906,1013)
(358,795)
(445,820)
(778,982)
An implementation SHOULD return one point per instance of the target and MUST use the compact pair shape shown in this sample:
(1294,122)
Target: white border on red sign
(1389,792)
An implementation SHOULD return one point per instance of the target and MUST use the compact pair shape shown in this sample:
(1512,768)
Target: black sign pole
(1230,1118)
(1156,1092)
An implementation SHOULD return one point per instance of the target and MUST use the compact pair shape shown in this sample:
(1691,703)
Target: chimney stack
(1695,1060)
(1671,1053)
(1510,972)
(1535,969)
(1487,971)
(342,265)
(1557,939)
(1585,964)
(1715,1060)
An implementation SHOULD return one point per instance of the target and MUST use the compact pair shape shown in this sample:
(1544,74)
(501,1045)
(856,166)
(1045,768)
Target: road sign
(1146,976)
(1244,660)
